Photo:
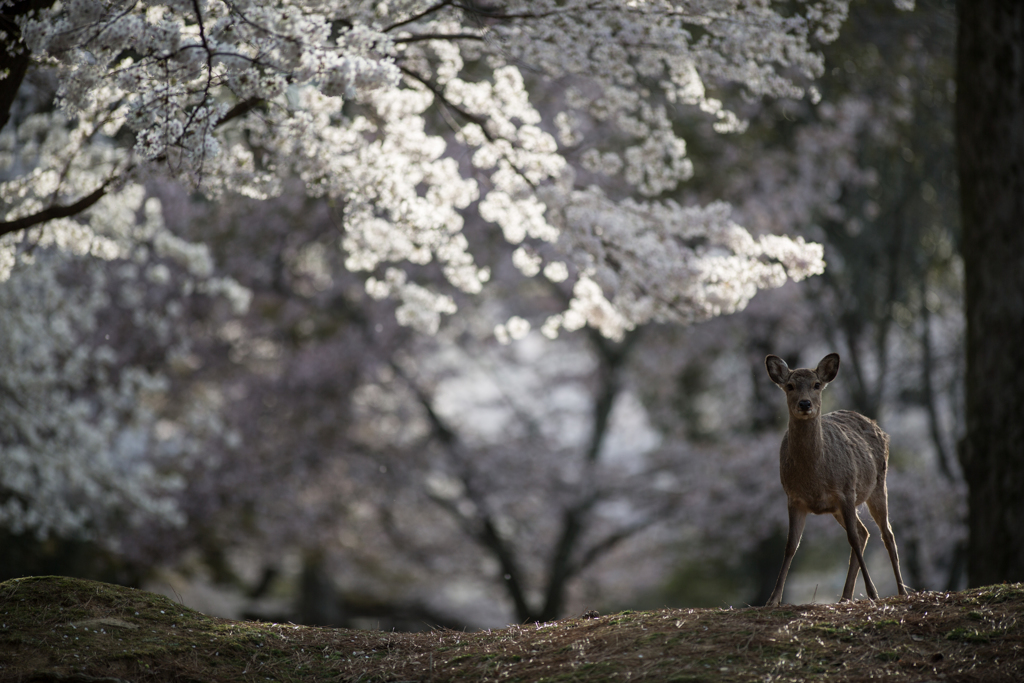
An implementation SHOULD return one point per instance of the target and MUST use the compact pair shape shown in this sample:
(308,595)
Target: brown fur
(830,464)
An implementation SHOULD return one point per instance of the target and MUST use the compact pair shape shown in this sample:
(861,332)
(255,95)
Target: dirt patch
(54,628)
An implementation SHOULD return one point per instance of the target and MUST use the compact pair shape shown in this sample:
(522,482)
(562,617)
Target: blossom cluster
(92,336)
(415,116)
(664,262)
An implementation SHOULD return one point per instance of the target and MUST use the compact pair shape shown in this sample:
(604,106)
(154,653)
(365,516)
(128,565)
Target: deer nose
(804,405)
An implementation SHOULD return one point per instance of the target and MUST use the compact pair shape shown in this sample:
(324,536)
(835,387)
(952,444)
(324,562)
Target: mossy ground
(54,628)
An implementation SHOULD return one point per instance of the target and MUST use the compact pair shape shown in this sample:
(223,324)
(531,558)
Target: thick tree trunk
(990,145)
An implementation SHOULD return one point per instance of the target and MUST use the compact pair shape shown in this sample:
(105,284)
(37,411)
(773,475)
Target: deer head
(803,387)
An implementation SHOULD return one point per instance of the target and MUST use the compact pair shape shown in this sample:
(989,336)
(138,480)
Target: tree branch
(485,12)
(416,17)
(240,109)
(611,358)
(438,36)
(486,534)
(610,541)
(561,561)
(55,211)
(472,118)
(927,367)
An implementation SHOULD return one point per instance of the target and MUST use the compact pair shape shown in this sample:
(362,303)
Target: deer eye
(790,387)
(817,385)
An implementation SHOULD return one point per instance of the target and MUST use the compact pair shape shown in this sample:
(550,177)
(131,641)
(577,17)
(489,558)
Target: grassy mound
(54,628)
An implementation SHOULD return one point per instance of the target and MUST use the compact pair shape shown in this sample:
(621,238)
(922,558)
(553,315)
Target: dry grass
(72,630)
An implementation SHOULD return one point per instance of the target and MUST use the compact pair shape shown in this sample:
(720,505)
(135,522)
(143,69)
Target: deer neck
(805,439)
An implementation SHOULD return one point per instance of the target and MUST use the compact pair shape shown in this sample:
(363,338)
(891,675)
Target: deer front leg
(851,522)
(797,518)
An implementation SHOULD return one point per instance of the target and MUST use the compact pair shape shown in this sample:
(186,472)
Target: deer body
(830,464)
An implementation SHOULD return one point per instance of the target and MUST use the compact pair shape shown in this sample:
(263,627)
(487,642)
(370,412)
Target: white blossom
(661,262)
(556,271)
(526,261)
(80,448)
(413,116)
(514,329)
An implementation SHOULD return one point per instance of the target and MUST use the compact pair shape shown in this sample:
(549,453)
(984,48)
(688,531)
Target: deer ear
(828,368)
(777,369)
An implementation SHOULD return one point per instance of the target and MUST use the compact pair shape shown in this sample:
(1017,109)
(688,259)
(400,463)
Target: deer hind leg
(851,575)
(878,506)
(857,534)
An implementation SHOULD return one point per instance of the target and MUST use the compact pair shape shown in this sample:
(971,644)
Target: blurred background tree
(354,472)
(990,147)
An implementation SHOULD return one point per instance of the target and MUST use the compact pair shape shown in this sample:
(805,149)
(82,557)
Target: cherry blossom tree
(420,132)
(403,469)
(408,118)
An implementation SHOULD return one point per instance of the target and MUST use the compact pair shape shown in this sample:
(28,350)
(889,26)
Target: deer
(830,464)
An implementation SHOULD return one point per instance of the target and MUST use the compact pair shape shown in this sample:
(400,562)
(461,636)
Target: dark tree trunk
(990,145)
(14,54)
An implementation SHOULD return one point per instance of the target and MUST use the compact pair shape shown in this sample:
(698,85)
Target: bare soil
(61,629)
